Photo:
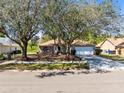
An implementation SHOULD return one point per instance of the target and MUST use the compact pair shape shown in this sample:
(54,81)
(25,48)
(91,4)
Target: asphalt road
(27,82)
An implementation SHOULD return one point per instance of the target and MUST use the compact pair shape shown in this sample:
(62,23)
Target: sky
(121,5)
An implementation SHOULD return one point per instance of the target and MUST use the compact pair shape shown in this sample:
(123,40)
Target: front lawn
(32,50)
(52,66)
(113,57)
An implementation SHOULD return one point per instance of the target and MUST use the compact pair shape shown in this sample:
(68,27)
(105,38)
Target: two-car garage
(84,50)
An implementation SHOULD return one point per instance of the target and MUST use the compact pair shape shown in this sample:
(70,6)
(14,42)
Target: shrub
(98,51)
(2,57)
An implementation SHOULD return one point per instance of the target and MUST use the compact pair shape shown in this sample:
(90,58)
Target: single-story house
(47,47)
(7,46)
(112,46)
(81,47)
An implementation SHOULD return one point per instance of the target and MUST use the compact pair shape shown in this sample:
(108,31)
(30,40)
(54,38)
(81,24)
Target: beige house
(112,46)
(81,47)
(7,46)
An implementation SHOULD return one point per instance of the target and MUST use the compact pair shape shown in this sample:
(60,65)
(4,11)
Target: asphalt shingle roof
(114,41)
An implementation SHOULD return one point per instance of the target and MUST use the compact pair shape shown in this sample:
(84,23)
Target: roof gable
(116,41)
(113,41)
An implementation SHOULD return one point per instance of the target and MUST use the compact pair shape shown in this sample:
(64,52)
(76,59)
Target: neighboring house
(112,46)
(81,47)
(7,46)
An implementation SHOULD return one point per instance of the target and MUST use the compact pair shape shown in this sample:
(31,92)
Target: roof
(7,42)
(121,45)
(76,42)
(81,43)
(98,45)
(50,43)
(114,41)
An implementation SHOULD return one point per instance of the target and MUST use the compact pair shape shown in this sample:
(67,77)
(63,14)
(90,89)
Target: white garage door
(84,50)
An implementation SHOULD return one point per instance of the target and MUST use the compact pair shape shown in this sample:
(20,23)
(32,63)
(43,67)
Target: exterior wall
(46,49)
(7,49)
(107,46)
(122,51)
(80,50)
(118,51)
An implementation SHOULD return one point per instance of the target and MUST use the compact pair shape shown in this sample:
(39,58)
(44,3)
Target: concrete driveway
(100,63)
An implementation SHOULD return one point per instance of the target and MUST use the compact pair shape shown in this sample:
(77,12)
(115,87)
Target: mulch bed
(49,57)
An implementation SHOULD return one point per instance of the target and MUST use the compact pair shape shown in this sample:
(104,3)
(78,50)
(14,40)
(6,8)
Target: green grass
(113,57)
(1,57)
(65,66)
(32,50)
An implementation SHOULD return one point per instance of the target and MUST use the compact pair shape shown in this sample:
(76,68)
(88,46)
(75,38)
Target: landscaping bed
(1,57)
(113,57)
(50,66)
(49,57)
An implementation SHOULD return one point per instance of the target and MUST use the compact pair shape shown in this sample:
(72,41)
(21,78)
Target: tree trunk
(59,45)
(68,51)
(24,51)
(54,47)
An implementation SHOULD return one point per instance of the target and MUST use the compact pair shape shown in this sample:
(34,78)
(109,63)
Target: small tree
(19,20)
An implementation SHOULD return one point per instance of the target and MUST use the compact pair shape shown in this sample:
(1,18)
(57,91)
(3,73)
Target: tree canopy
(70,20)
(20,21)
(65,20)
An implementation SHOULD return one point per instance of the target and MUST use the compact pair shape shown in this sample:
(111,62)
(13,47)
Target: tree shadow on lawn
(54,73)
(66,72)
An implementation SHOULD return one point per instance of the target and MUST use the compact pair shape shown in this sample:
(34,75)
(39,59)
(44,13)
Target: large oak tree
(70,20)
(20,21)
